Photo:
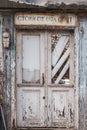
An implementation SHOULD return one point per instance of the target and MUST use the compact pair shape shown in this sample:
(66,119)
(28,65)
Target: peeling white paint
(48,2)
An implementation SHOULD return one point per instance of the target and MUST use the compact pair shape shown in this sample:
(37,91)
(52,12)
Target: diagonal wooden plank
(63,72)
(59,49)
(61,61)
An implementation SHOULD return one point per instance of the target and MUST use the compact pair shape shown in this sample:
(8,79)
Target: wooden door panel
(30,106)
(61,107)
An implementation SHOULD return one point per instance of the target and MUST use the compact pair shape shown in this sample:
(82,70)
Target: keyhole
(43,97)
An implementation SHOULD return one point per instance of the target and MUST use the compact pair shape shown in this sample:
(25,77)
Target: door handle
(43,81)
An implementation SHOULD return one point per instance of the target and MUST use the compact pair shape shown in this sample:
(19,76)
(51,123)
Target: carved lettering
(42,19)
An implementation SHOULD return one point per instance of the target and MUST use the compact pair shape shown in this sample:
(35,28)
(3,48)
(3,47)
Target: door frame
(13,105)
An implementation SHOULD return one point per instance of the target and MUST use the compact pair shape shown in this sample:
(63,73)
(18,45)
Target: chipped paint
(80,89)
(48,2)
(83,74)
(1,50)
(77,74)
(13,89)
(45,20)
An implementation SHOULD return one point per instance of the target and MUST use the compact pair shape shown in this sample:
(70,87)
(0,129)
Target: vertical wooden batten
(13,90)
(76,74)
(83,74)
(6,25)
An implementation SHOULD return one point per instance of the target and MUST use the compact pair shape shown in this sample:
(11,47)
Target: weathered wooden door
(60,79)
(45,79)
(30,78)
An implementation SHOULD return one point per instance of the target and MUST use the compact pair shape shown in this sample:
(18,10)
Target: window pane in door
(31,58)
(60,53)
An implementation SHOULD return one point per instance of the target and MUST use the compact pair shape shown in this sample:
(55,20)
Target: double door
(45,79)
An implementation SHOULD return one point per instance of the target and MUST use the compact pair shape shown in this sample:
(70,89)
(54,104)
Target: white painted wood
(30,99)
(63,72)
(77,66)
(30,104)
(42,105)
(19,58)
(42,56)
(31,58)
(49,58)
(72,60)
(60,96)
(59,49)
(60,62)
(44,19)
(61,107)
